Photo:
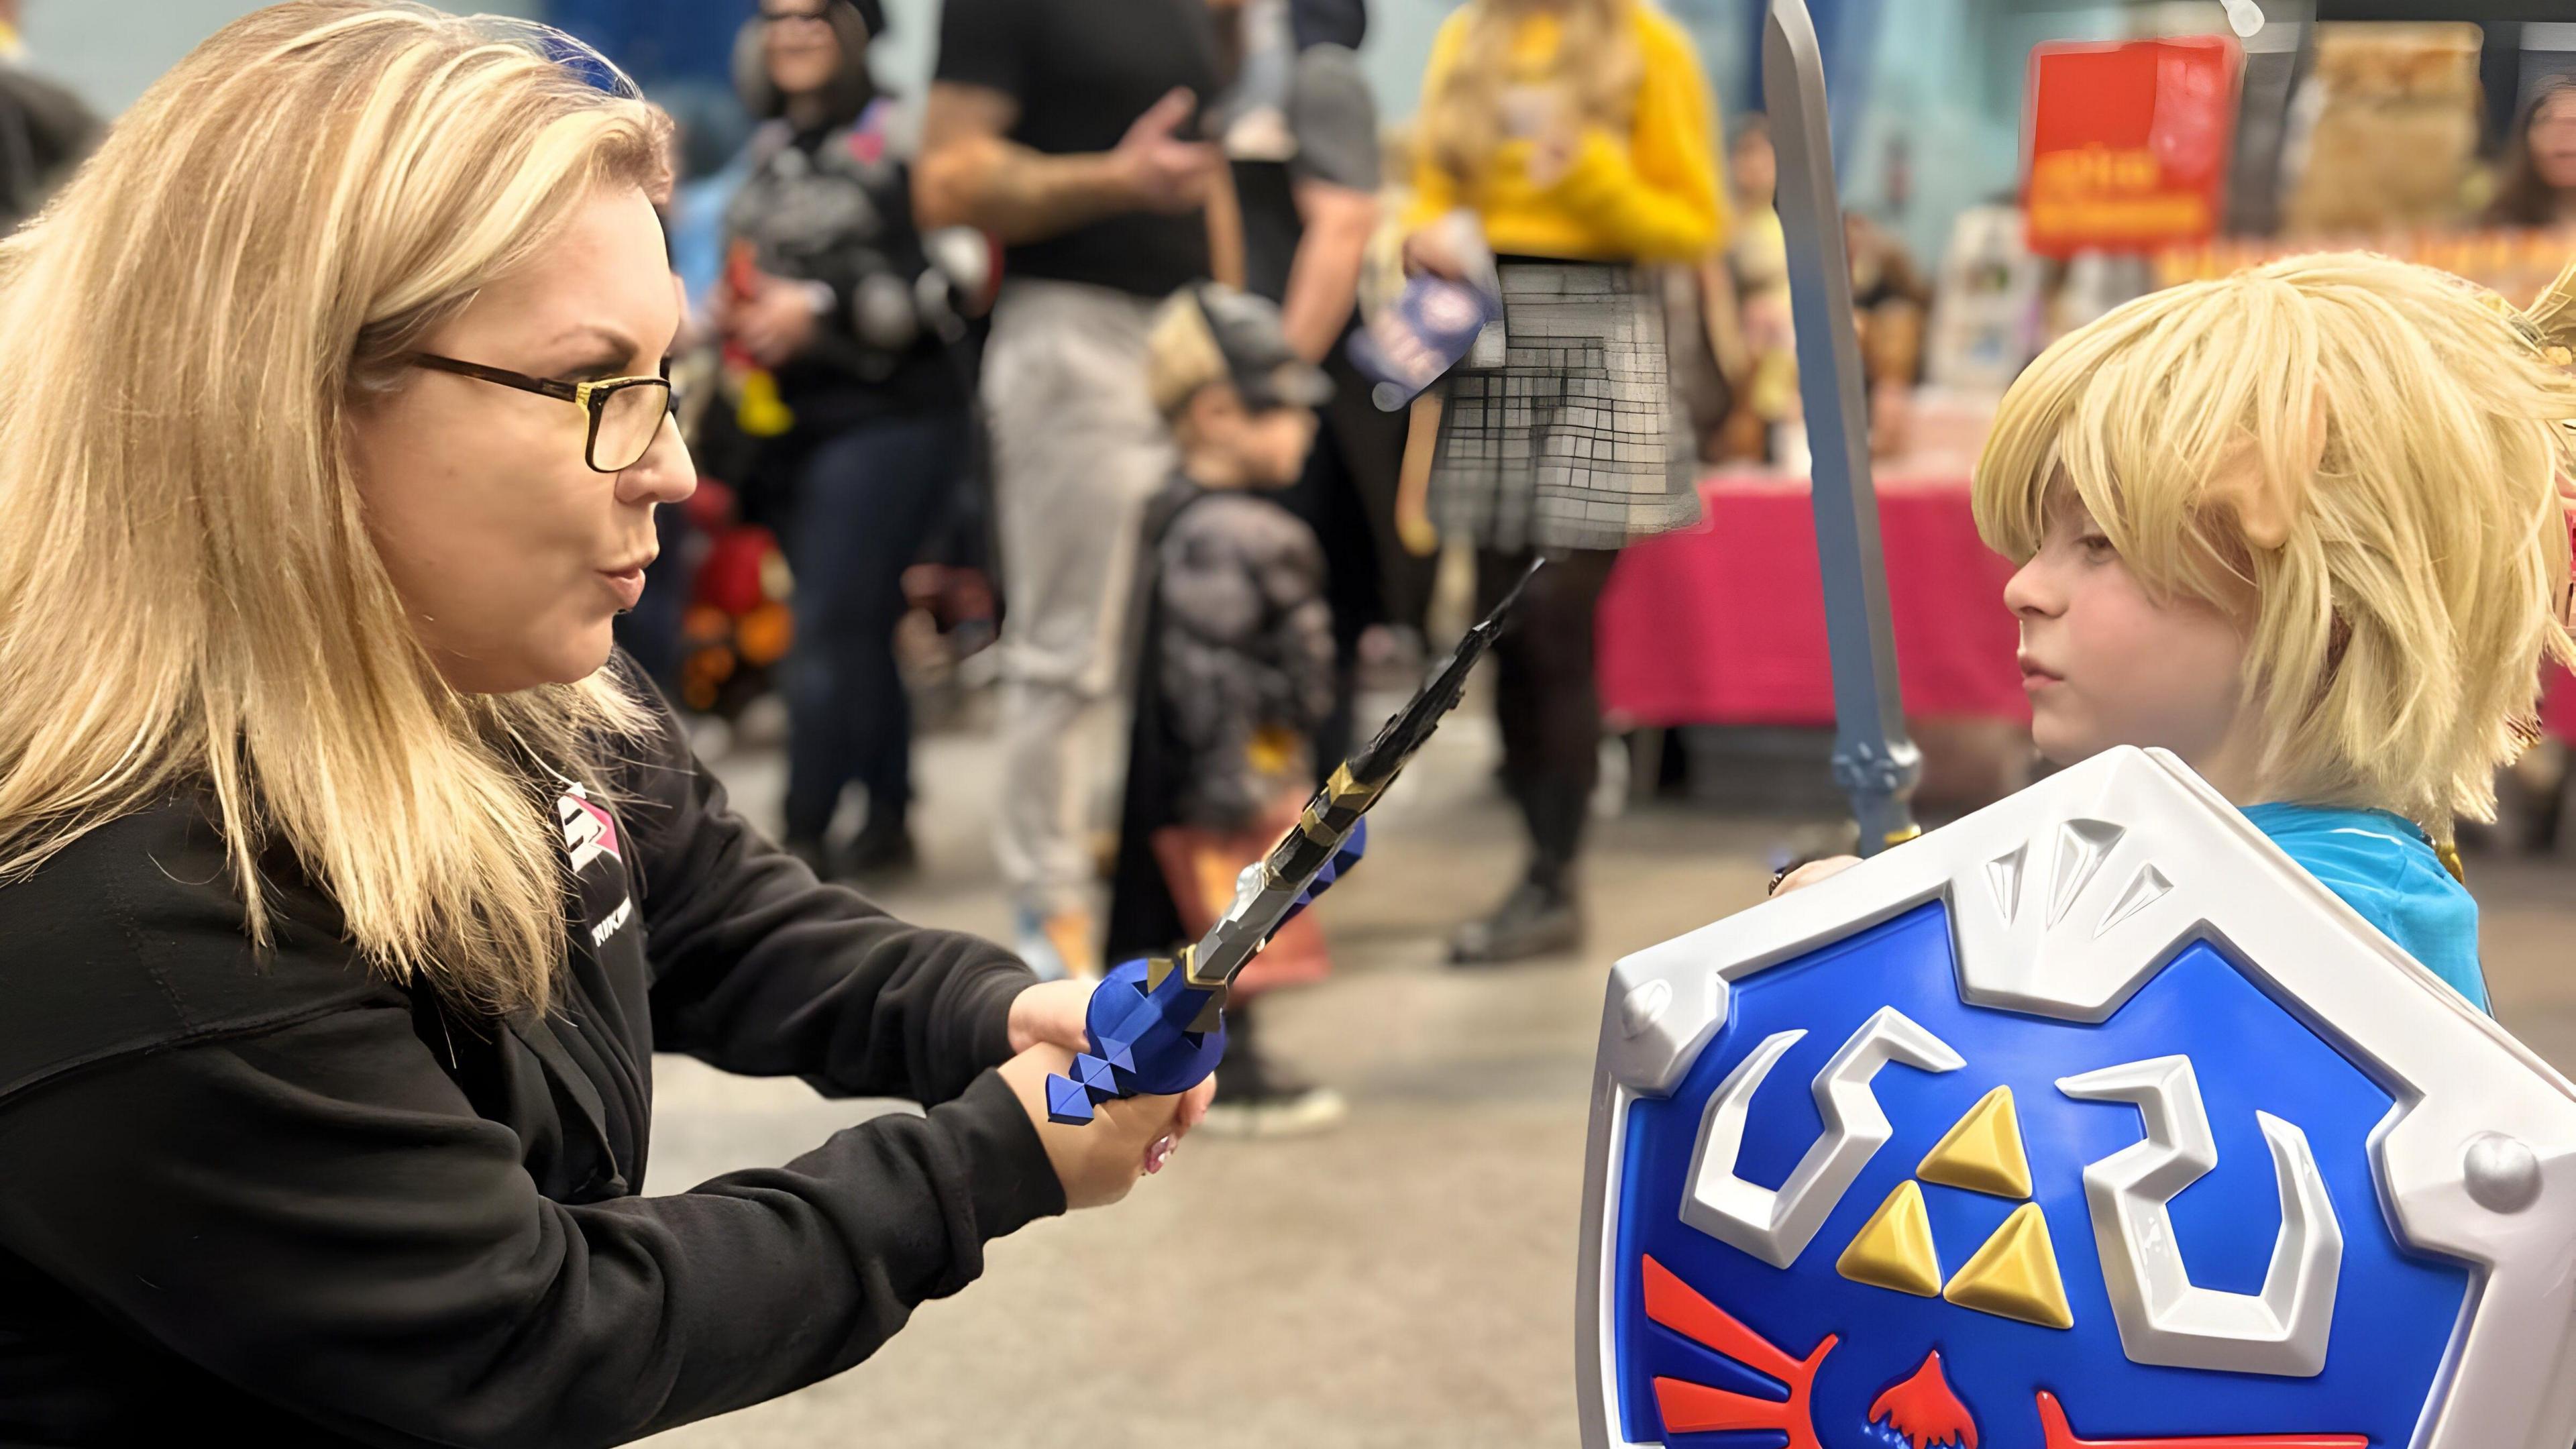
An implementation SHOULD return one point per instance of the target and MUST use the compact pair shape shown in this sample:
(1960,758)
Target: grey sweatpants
(1078,449)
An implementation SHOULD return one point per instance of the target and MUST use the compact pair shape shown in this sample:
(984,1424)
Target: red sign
(2128,143)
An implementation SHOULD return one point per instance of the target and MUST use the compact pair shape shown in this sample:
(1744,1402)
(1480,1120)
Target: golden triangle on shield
(2015,1274)
(1982,1151)
(1894,1248)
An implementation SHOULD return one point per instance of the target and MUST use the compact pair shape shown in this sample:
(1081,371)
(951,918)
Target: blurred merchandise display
(1986,303)
(2391,117)
(2516,263)
(2094,283)
(2128,144)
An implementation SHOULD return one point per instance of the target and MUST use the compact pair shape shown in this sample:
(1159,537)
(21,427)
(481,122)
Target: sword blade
(1874,761)
(1268,891)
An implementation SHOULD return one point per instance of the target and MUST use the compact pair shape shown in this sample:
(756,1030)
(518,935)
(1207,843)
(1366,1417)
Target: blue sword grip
(1141,1043)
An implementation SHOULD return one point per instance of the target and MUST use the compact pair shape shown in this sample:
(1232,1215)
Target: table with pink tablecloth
(1724,623)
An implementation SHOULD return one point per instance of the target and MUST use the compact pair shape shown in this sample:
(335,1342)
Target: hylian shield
(2089,1120)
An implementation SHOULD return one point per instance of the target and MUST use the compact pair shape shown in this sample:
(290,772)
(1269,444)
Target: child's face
(1266,448)
(2107,663)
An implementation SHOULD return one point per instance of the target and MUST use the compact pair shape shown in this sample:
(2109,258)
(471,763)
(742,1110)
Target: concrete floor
(1407,1280)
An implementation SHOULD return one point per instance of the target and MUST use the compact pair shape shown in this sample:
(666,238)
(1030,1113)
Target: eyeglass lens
(630,418)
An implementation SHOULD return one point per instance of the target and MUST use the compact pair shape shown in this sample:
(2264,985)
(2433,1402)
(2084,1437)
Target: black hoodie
(280,1202)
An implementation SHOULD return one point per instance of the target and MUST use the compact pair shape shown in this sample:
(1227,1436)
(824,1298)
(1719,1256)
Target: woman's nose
(666,474)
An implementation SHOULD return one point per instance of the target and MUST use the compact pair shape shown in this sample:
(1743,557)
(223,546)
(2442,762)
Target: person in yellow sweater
(1576,135)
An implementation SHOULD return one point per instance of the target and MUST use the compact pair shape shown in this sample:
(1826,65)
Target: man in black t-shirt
(1309,206)
(1071,133)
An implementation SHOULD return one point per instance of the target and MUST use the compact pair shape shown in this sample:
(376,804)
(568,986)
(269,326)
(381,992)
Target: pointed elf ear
(2267,507)
(2549,324)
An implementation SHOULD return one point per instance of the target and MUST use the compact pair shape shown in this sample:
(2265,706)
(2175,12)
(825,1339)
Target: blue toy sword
(1157,1026)
(1874,762)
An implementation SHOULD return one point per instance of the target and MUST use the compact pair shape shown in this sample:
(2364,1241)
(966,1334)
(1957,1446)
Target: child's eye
(2096,546)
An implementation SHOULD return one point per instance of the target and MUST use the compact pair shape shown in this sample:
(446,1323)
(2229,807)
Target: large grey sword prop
(1874,762)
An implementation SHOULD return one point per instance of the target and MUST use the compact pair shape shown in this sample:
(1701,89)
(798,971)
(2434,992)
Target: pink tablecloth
(1725,623)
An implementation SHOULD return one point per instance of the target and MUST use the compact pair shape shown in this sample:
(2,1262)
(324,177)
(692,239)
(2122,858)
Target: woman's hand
(1051,1019)
(1052,1012)
(1127,1138)
(1428,250)
(1814,871)
(775,323)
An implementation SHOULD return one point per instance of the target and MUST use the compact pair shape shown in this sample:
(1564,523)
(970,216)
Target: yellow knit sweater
(1648,195)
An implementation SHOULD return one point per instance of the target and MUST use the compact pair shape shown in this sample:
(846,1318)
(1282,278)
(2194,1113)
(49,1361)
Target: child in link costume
(2308,528)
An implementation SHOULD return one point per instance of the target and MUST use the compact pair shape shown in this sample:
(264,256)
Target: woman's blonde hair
(189,597)
(2376,452)
(1596,59)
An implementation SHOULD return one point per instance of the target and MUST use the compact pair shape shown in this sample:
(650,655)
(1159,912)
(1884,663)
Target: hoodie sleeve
(257,1164)
(316,1215)
(760,969)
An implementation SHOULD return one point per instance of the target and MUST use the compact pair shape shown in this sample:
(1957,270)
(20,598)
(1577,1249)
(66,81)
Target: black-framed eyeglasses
(626,413)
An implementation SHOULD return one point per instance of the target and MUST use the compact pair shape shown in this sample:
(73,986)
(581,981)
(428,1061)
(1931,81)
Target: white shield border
(2457,1077)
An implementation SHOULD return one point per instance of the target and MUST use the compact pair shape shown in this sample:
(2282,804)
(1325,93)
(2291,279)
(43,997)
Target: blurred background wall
(1927,93)
(111,63)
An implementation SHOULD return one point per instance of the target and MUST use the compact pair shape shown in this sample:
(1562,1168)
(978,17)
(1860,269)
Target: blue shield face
(1932,1296)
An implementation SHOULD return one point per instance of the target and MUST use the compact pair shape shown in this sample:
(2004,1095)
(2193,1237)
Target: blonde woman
(2307,528)
(1576,134)
(347,886)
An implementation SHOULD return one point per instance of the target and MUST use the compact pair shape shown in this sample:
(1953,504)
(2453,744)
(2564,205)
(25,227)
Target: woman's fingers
(1054,1012)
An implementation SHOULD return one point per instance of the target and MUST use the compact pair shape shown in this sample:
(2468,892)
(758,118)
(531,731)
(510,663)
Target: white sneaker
(1294,1114)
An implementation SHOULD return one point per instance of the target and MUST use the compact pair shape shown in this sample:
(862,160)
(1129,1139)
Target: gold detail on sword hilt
(1159,967)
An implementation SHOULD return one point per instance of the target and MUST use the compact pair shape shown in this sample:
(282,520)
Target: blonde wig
(2365,459)
(189,598)
(1596,61)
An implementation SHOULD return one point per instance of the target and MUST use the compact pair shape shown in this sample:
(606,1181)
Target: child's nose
(2030,592)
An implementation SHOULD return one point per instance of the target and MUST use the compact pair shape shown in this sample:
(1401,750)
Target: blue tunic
(2383,866)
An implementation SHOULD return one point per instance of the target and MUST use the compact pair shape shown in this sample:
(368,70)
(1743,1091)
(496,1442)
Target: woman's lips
(628,584)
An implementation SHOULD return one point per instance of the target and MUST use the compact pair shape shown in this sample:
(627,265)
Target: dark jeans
(866,501)
(1545,698)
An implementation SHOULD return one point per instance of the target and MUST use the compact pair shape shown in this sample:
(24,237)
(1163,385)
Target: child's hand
(1814,871)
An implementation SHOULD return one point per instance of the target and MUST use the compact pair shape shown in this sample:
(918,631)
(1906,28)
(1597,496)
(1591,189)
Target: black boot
(1539,918)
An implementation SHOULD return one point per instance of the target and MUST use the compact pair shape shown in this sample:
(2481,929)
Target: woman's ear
(2267,505)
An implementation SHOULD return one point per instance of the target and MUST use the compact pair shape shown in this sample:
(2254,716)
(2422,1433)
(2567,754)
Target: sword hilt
(1157,1026)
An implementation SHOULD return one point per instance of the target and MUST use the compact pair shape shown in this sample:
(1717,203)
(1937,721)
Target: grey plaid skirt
(1575,441)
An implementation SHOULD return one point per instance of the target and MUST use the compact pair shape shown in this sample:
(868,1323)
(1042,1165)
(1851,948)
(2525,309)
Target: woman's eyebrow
(614,348)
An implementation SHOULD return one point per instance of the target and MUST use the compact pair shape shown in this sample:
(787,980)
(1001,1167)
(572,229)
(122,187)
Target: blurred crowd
(44,128)
(1039,386)
(1042,381)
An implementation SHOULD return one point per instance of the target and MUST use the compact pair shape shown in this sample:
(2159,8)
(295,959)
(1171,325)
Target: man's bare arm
(1324,277)
(970,174)
(1225,230)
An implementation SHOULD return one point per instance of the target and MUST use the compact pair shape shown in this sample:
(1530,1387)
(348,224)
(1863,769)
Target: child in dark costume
(1236,671)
